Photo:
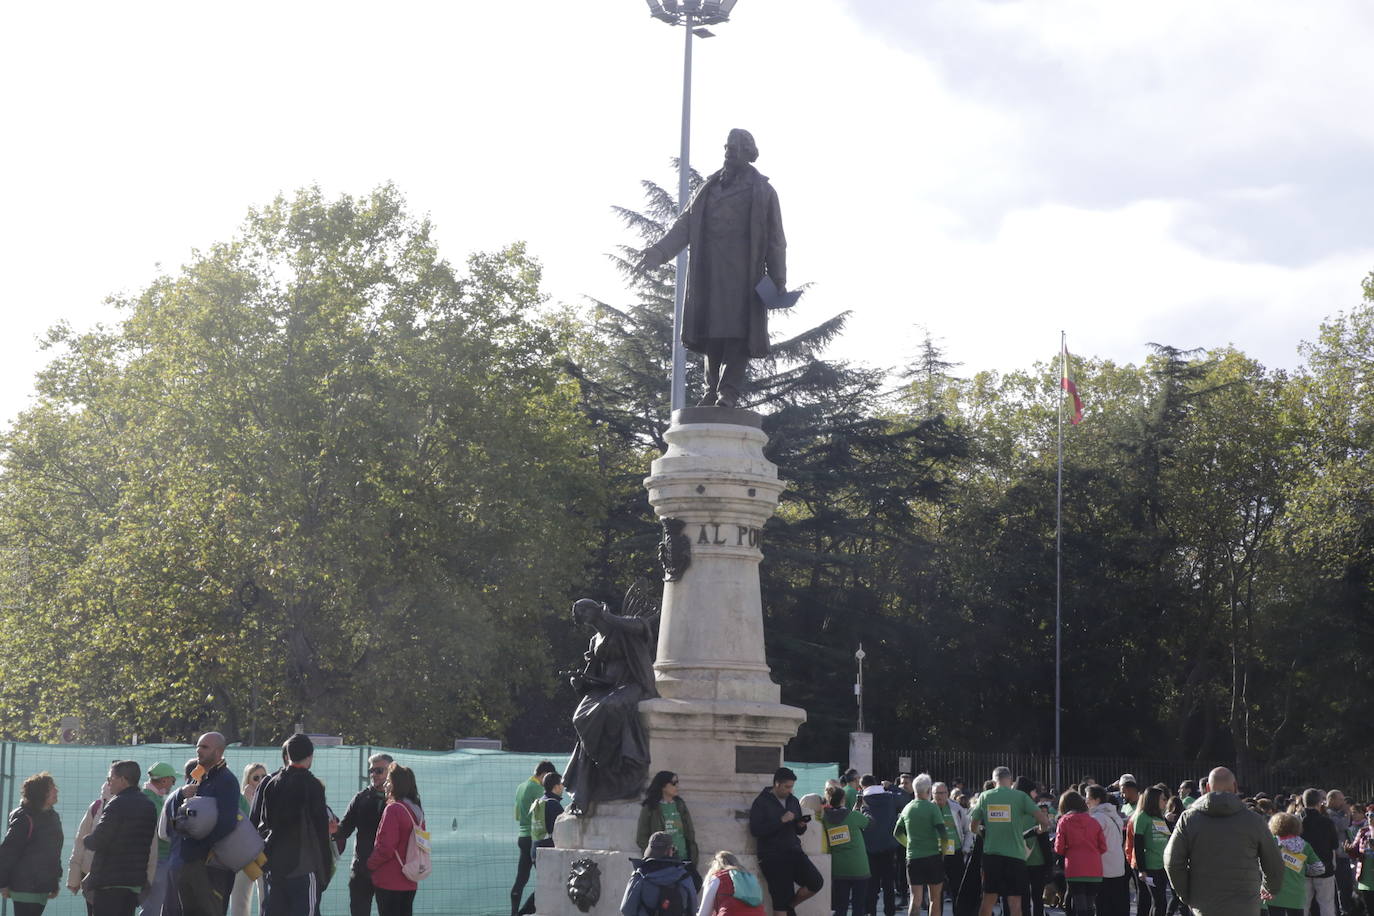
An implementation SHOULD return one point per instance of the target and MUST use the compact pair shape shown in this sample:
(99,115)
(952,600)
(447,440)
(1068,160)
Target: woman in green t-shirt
(663,809)
(1151,835)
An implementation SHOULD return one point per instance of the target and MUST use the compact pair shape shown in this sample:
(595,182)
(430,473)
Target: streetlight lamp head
(698,12)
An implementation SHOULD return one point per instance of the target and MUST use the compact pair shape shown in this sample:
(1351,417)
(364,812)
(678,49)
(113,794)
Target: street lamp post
(859,684)
(693,16)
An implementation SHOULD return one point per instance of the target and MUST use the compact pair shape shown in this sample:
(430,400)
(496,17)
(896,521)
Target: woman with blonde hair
(730,889)
(240,900)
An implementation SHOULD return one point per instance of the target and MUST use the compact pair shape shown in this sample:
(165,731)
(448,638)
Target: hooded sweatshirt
(1299,862)
(1114,859)
(774,837)
(844,840)
(649,877)
(1213,853)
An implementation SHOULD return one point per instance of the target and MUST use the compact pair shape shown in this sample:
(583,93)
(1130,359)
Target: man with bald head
(1215,850)
(734,228)
(203,887)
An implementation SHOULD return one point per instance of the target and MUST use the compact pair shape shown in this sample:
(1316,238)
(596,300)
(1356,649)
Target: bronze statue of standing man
(734,227)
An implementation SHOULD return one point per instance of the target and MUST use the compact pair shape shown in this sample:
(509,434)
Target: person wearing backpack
(543,814)
(290,812)
(660,885)
(731,889)
(400,856)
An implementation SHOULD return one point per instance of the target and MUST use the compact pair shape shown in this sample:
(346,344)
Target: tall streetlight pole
(693,16)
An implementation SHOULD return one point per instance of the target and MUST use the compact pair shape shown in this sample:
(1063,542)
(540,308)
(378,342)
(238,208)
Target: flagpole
(1059,563)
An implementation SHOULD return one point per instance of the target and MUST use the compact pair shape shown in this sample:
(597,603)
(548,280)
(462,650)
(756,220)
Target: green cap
(161,771)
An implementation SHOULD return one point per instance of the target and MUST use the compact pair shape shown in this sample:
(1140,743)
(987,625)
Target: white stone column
(718,722)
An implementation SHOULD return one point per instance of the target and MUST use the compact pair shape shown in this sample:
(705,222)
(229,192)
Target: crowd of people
(219,844)
(913,842)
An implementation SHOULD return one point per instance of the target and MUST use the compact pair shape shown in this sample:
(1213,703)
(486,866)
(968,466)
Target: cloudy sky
(1188,173)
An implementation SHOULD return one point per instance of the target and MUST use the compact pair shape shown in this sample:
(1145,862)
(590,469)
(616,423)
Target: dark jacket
(765,823)
(122,840)
(289,811)
(651,822)
(649,876)
(31,854)
(363,815)
(1318,830)
(1213,854)
(766,254)
(220,785)
(882,813)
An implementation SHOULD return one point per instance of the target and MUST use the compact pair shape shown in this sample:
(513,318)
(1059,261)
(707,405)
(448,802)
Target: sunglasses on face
(375,770)
(257,777)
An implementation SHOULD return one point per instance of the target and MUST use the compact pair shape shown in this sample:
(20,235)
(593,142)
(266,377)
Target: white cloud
(995,171)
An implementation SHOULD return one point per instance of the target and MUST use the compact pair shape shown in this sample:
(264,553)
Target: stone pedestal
(718,722)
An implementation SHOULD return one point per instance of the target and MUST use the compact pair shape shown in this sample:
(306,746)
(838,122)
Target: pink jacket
(1079,839)
(393,835)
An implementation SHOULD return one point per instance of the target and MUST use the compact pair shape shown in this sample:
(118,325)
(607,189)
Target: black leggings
(27,909)
(1081,897)
(1033,901)
(394,903)
(1153,897)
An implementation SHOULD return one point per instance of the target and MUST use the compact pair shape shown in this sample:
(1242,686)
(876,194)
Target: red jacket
(1079,839)
(393,836)
(726,904)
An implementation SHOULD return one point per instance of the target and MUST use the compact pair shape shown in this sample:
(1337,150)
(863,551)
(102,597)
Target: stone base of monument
(718,723)
(602,839)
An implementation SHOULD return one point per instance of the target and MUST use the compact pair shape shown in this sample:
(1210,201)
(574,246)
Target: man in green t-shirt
(1001,814)
(526,794)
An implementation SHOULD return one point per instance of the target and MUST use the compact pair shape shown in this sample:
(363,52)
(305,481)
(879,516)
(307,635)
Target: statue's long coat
(767,254)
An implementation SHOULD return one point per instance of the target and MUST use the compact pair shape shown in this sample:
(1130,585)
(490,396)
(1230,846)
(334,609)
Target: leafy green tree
(316,471)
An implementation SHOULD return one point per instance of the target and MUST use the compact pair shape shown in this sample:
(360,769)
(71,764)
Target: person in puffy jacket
(1114,897)
(1212,855)
(125,860)
(656,876)
(31,853)
(881,807)
(730,889)
(1078,837)
(402,814)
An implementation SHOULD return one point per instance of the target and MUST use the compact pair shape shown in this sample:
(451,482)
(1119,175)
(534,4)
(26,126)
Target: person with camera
(777,823)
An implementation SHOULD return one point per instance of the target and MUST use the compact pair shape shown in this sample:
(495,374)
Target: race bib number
(1294,860)
(837,836)
(999,814)
(949,846)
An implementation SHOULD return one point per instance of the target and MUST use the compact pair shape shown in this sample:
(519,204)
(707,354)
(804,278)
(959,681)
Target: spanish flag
(1066,382)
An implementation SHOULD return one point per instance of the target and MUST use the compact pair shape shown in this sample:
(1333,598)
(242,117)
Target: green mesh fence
(468,800)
